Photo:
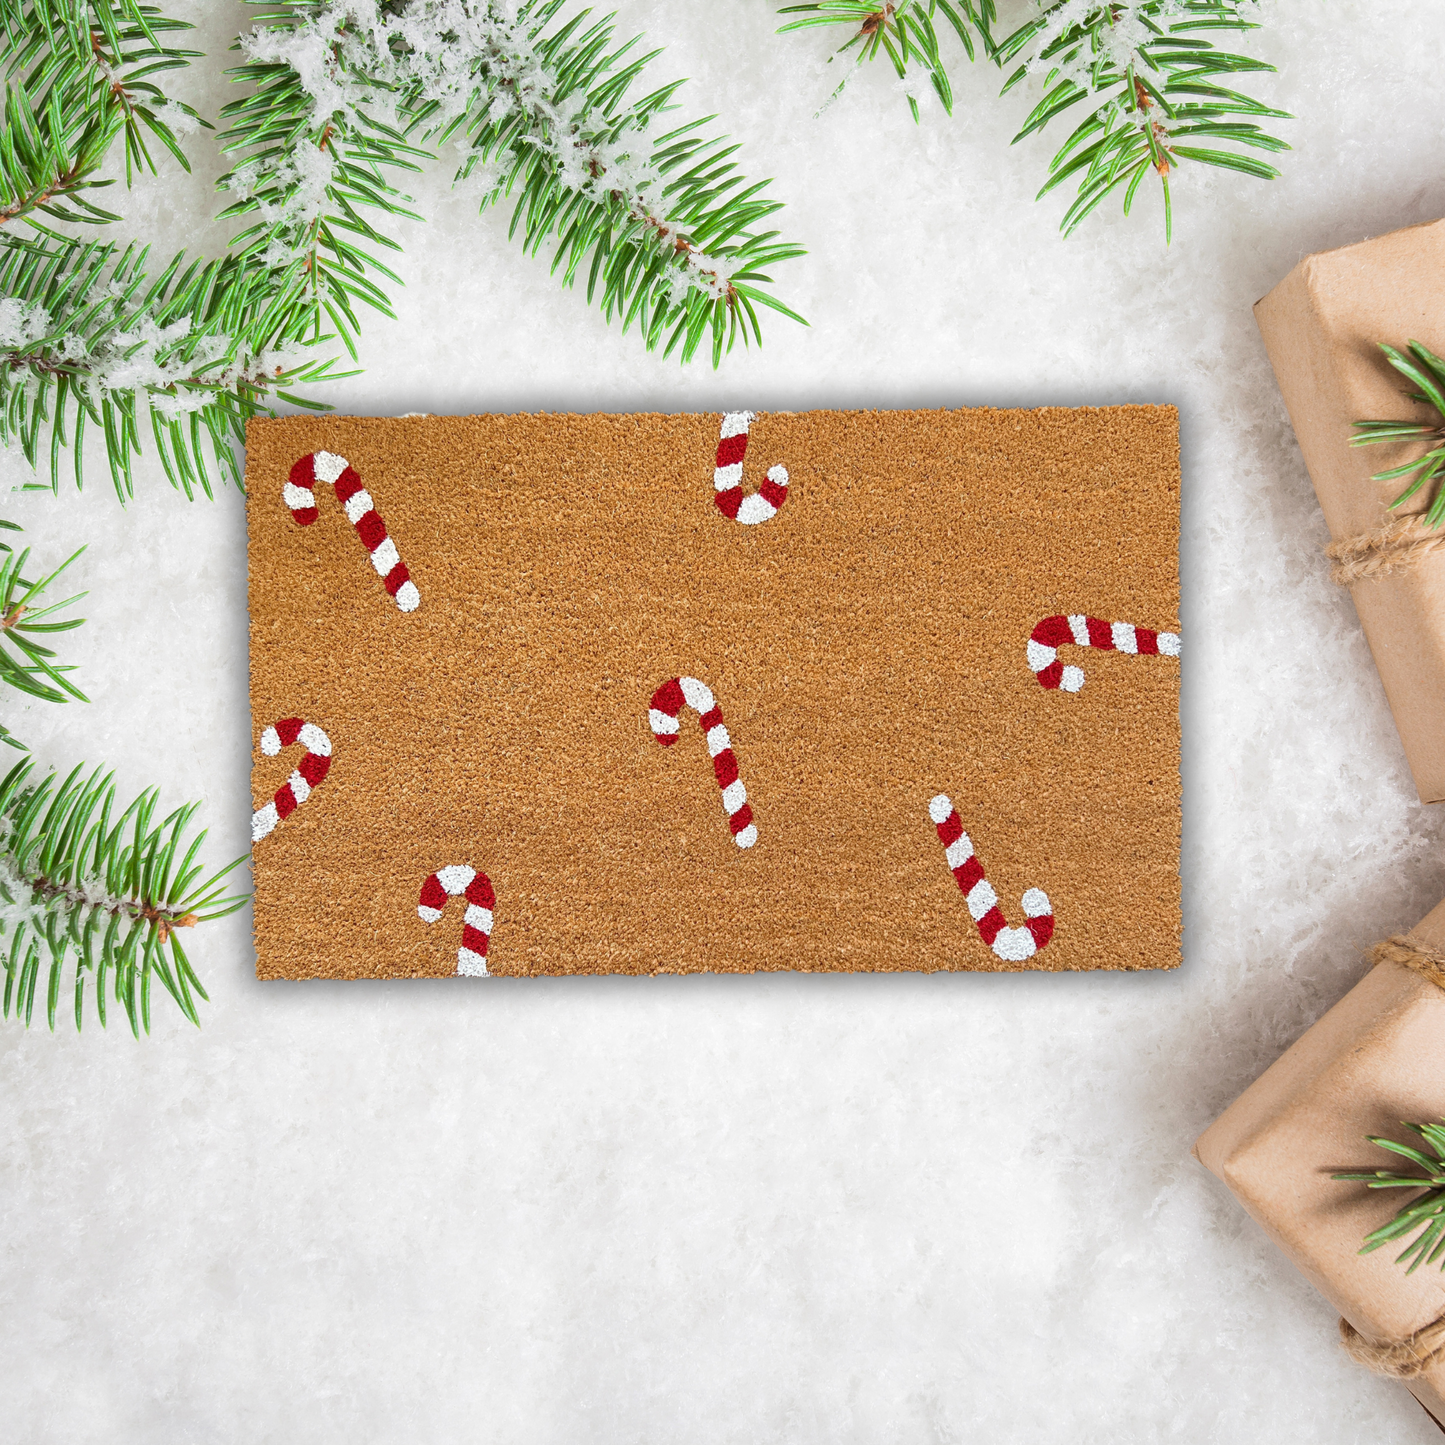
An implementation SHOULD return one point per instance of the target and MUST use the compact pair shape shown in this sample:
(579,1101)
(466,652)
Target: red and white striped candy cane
(476,888)
(727,478)
(1013,945)
(297,788)
(356,501)
(667,702)
(1056,632)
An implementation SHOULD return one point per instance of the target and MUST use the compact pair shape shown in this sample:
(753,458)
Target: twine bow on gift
(1395,547)
(1411,1357)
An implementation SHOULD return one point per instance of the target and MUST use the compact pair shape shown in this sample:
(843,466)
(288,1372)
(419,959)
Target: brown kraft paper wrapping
(866,647)
(1376,1058)
(1322,326)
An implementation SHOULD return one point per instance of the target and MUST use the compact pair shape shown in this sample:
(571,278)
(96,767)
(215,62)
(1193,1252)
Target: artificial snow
(789,1209)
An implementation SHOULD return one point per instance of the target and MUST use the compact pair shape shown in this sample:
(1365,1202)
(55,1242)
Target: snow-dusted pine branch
(1147,73)
(661,217)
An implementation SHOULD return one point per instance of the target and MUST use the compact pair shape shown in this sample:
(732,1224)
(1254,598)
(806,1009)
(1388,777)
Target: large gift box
(1322,326)
(1377,1058)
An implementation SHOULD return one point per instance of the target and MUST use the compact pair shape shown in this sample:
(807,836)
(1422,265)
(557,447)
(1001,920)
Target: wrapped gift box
(1322,326)
(1376,1058)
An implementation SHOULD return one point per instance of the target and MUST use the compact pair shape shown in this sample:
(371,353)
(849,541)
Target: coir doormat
(665,694)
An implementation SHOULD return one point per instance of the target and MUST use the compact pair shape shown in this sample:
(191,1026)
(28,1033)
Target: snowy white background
(899,1208)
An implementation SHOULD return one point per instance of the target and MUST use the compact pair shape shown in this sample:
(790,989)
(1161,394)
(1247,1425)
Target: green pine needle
(1426,371)
(904,31)
(658,218)
(1148,74)
(77,76)
(1146,113)
(106,890)
(1425,1213)
(26,616)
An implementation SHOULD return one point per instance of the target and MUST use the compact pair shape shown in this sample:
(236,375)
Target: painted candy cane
(356,501)
(667,702)
(1013,945)
(298,787)
(727,478)
(476,888)
(1056,632)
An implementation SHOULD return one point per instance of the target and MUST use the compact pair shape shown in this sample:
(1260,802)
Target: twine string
(1405,1359)
(1412,1356)
(1398,546)
(1426,961)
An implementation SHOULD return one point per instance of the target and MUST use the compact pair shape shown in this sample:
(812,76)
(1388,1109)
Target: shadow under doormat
(666,694)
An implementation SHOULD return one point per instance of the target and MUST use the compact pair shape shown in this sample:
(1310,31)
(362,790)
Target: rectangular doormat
(673,694)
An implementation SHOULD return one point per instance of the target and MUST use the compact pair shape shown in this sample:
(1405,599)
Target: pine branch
(25,663)
(1146,69)
(308,177)
(904,31)
(106,891)
(86,333)
(663,223)
(1425,1213)
(77,76)
(1150,83)
(89,337)
(1425,371)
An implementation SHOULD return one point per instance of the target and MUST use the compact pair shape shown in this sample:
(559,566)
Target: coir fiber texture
(569,707)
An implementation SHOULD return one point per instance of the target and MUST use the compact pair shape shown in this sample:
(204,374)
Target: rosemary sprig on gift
(1427,371)
(1425,1213)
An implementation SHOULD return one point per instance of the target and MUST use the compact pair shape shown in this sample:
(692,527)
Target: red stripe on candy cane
(667,702)
(462,881)
(299,494)
(1013,945)
(1079,631)
(299,786)
(727,477)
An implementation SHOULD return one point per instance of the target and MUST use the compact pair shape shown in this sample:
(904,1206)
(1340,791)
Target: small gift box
(1375,1059)
(1322,326)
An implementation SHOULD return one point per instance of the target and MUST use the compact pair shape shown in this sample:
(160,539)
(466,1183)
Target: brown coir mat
(667,694)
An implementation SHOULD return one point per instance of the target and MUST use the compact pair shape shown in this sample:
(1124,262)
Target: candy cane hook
(727,477)
(667,702)
(1013,945)
(297,788)
(476,888)
(356,501)
(1056,632)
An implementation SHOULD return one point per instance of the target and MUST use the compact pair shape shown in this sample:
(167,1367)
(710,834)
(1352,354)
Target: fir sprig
(90,336)
(904,32)
(77,75)
(1427,372)
(1425,1213)
(25,616)
(661,220)
(1148,74)
(663,223)
(103,888)
(1147,71)
(305,181)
